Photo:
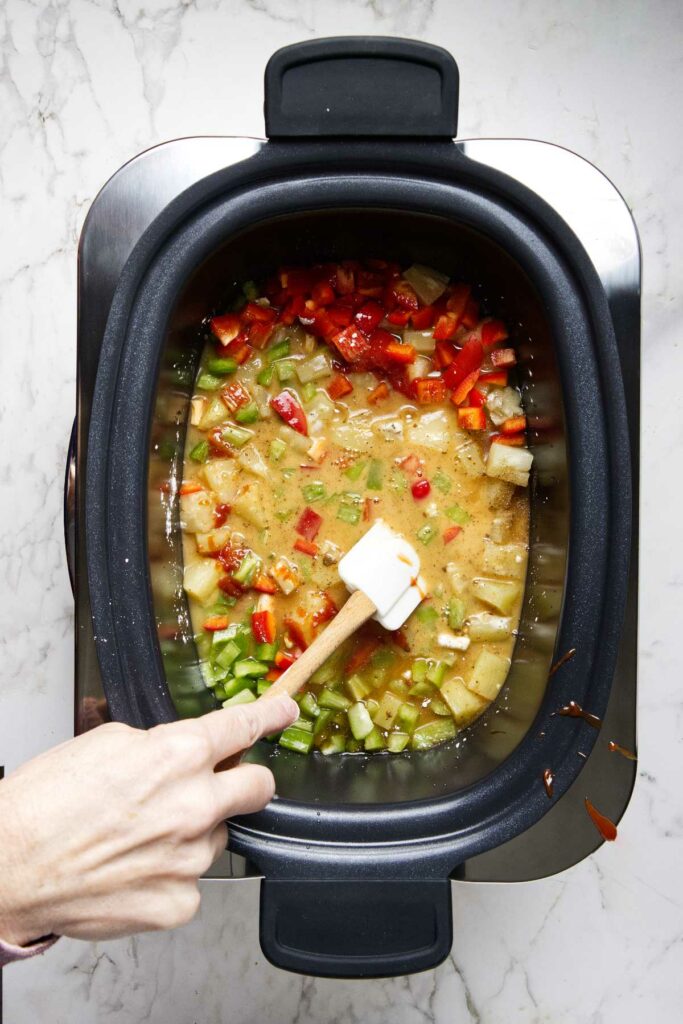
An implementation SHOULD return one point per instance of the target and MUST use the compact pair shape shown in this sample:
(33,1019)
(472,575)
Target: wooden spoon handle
(357,610)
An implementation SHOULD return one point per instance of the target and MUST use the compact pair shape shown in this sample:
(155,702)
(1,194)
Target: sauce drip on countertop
(606,828)
(574,710)
(618,749)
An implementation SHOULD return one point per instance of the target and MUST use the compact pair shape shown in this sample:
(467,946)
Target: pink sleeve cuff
(9,953)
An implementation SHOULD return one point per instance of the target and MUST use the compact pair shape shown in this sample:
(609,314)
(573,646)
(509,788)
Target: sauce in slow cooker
(335,395)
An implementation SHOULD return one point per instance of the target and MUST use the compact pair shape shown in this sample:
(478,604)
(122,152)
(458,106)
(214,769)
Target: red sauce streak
(606,828)
(561,661)
(616,748)
(548,780)
(574,710)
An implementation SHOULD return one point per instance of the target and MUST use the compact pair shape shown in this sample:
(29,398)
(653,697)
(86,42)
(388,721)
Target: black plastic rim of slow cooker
(113,581)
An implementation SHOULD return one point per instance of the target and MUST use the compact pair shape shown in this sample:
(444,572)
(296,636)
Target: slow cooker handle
(356,928)
(361,86)
(70,509)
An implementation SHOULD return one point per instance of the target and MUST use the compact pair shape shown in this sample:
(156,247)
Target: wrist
(18,923)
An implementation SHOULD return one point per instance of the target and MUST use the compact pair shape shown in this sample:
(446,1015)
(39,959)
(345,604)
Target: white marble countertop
(86,84)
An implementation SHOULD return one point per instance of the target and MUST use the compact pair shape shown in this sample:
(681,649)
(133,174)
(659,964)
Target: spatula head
(387,569)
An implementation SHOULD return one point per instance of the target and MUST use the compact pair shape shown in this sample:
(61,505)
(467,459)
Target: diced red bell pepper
(471,418)
(326,612)
(230,586)
(306,547)
(445,328)
(362,654)
(420,489)
(272,675)
(513,425)
(226,327)
(503,357)
(409,464)
(368,316)
(451,533)
(493,331)
(379,393)
(220,514)
(308,523)
(296,633)
(217,443)
(289,409)
(477,398)
(399,317)
(497,377)
(514,440)
(318,322)
(283,660)
(423,318)
(467,360)
(190,487)
(340,316)
(405,295)
(294,308)
(296,281)
(470,317)
(264,584)
(464,387)
(216,622)
(429,390)
(262,314)
(457,302)
(369,283)
(235,396)
(263,626)
(399,353)
(351,343)
(444,354)
(345,281)
(323,294)
(259,333)
(339,386)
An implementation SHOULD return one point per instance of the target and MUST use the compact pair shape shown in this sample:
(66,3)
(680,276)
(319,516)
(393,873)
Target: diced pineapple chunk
(431,430)
(248,503)
(356,436)
(196,512)
(214,413)
(250,459)
(464,705)
(197,406)
(508,463)
(201,579)
(500,527)
(210,543)
(500,594)
(387,711)
(485,626)
(503,404)
(470,459)
(220,476)
(499,494)
(505,559)
(318,449)
(488,675)
(286,575)
(458,581)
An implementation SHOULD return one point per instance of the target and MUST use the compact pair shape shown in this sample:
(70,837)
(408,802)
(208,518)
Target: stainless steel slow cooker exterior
(376,838)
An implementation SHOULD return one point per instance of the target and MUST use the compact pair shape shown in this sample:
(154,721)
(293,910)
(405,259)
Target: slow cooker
(357,852)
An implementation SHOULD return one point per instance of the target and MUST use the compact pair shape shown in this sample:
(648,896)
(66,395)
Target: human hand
(107,834)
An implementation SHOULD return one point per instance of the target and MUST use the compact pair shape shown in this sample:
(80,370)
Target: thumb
(234,729)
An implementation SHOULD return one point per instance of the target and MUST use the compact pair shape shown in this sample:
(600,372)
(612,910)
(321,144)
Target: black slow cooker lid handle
(361,86)
(356,927)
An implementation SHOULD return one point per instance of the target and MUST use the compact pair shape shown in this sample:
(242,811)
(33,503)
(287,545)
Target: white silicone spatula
(382,571)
